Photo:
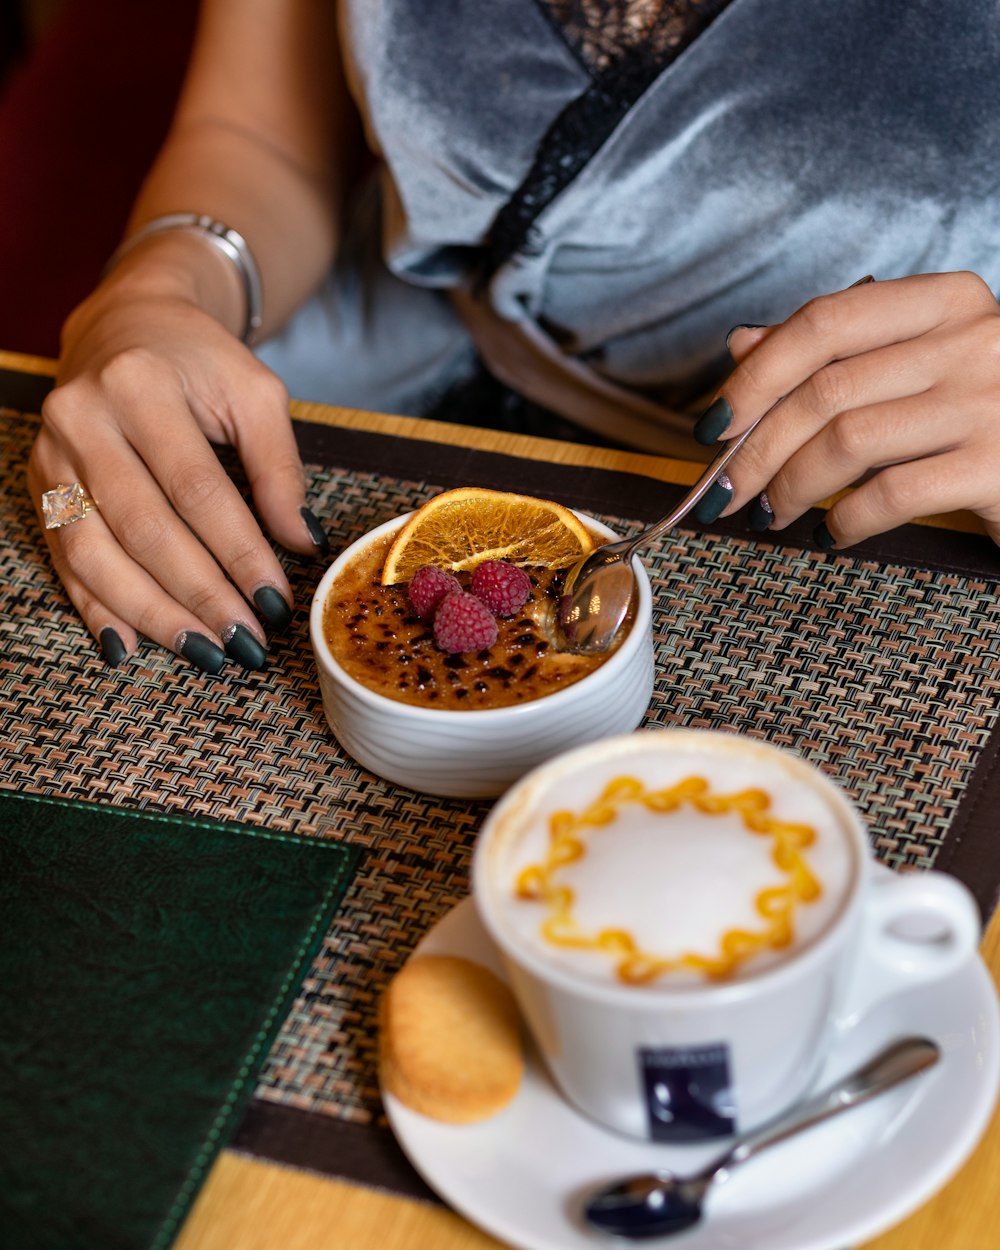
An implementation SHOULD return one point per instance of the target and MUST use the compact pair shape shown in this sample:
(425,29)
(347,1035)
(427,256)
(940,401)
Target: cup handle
(917,928)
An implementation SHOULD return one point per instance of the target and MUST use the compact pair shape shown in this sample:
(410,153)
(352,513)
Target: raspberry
(464,623)
(428,586)
(503,587)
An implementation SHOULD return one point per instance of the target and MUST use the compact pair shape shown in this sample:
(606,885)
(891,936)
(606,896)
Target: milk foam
(675,881)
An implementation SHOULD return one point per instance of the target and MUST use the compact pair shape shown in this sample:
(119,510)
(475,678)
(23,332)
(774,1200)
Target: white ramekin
(479,753)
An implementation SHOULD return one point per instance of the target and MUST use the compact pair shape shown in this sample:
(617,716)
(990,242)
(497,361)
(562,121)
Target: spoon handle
(703,484)
(627,548)
(711,473)
(897,1063)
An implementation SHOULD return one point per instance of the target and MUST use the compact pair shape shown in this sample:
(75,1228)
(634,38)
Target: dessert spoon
(659,1203)
(598,589)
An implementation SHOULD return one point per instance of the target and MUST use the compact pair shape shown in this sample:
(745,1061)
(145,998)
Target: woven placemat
(878,664)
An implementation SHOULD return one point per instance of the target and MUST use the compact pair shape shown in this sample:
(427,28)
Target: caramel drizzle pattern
(775,905)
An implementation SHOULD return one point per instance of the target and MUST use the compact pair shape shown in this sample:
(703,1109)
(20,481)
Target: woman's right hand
(146,383)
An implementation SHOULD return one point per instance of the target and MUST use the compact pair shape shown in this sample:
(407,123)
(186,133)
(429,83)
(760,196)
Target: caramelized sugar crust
(376,637)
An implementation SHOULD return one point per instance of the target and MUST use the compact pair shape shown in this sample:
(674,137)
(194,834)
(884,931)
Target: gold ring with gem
(65,504)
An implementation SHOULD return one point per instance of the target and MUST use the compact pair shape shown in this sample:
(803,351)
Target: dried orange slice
(460,528)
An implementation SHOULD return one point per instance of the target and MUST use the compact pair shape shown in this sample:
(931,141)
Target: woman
(585,196)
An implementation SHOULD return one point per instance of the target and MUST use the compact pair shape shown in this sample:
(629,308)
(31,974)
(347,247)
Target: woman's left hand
(894,385)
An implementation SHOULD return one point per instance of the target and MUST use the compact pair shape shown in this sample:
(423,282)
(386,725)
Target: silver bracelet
(222,237)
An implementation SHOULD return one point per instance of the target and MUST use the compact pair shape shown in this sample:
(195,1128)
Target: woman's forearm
(266,139)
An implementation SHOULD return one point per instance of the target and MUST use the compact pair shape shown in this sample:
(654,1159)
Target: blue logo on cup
(688,1092)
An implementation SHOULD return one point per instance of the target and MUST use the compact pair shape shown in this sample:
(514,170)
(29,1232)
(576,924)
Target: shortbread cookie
(450,1042)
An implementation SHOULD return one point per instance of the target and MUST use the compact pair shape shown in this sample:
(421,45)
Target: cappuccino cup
(690,919)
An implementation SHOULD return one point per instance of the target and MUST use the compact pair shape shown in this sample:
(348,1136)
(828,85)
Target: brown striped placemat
(879,664)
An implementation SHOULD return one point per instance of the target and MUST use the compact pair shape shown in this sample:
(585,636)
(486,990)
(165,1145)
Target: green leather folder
(146,964)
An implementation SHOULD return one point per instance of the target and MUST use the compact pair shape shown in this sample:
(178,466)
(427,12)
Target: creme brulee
(378,640)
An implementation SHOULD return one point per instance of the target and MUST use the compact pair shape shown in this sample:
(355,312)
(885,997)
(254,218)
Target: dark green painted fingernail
(112,647)
(202,652)
(761,513)
(743,326)
(822,537)
(709,507)
(316,532)
(715,420)
(273,607)
(244,648)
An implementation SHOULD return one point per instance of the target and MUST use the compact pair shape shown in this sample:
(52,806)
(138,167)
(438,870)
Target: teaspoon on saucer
(660,1204)
(598,588)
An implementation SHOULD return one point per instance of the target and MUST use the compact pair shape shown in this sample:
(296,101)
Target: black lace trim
(624,45)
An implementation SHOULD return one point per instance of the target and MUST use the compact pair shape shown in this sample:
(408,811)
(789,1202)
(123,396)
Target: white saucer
(519,1175)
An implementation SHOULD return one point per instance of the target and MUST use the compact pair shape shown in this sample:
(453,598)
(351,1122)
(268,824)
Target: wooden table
(250,1204)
